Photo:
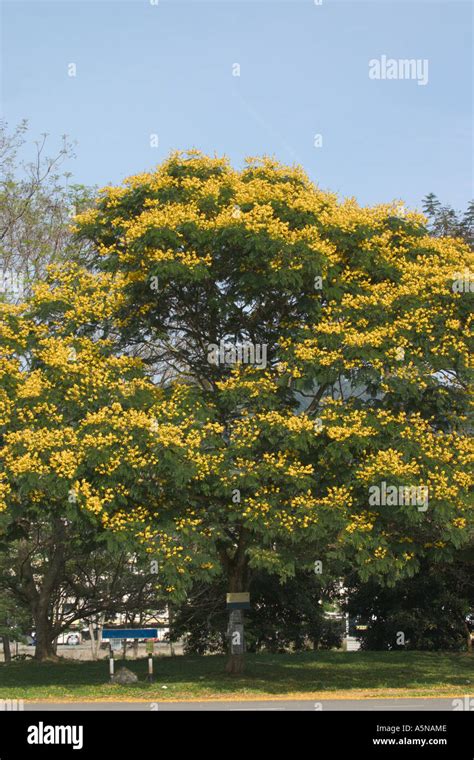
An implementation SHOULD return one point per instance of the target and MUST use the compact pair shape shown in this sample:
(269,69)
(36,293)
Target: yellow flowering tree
(85,440)
(329,344)
(312,369)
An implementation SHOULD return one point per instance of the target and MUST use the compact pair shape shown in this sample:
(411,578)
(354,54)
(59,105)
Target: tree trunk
(170,629)
(7,655)
(45,649)
(96,641)
(40,596)
(236,663)
(237,572)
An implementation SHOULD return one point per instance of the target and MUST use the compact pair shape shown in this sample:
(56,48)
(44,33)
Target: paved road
(392,705)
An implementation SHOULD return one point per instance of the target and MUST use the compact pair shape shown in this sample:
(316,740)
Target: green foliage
(430,609)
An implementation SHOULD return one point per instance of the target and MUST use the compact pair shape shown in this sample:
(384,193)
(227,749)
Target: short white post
(150,667)
(111,663)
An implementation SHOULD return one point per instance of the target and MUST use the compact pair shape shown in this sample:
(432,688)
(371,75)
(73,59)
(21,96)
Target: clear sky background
(166,69)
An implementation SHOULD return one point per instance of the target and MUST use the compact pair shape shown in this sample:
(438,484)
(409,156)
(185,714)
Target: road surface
(391,705)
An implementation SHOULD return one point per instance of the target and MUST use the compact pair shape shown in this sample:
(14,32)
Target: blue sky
(167,69)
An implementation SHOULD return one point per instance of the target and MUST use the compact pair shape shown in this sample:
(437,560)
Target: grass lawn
(310,674)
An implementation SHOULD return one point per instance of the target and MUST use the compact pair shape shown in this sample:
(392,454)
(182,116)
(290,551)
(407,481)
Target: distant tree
(37,202)
(445,221)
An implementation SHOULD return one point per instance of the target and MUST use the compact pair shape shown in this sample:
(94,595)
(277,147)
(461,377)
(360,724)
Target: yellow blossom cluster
(387,461)
(363,523)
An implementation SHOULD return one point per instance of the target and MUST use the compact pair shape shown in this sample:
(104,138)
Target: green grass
(357,674)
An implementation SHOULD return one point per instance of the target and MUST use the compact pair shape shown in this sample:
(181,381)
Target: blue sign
(130,633)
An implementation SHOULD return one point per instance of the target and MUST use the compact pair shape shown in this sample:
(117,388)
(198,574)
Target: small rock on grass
(124,676)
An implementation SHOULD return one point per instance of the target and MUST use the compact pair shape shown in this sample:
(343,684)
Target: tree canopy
(366,355)
(234,369)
